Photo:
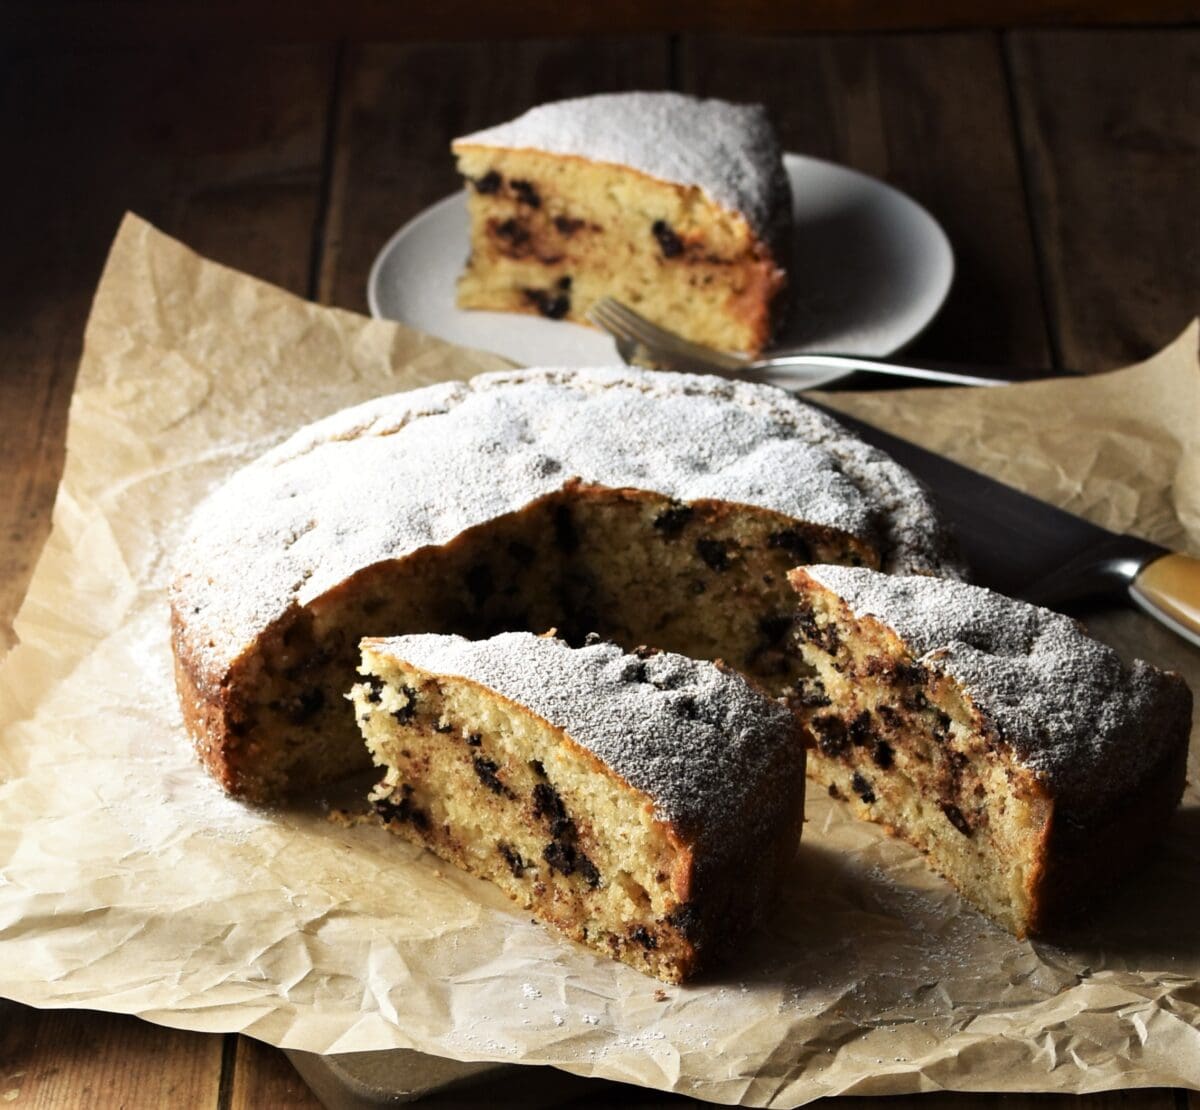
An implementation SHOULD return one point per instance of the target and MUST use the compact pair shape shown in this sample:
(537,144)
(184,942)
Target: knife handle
(1169,590)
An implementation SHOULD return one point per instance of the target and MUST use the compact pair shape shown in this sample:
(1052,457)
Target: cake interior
(903,747)
(707,580)
(491,787)
(552,234)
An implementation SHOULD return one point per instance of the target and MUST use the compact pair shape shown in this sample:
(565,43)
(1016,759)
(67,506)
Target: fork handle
(904,369)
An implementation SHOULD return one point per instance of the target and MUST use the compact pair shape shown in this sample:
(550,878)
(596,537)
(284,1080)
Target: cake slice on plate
(1024,758)
(643,804)
(680,207)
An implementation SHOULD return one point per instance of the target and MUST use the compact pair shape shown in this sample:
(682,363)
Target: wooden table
(1064,164)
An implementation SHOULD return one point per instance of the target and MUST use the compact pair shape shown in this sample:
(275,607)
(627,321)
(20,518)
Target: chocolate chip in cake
(563,282)
(443,727)
(834,792)
(714,552)
(405,713)
(561,856)
(474,740)
(589,871)
(687,918)
(810,693)
(486,770)
(793,543)
(535,765)
(526,193)
(861,732)
(567,226)
(687,708)
(955,816)
(375,690)
(489,183)
(862,788)
(883,755)
(831,734)
(403,810)
(912,673)
(511,229)
(551,305)
(513,858)
(916,700)
(668,241)
(639,934)
(547,803)
(671,521)
(808,630)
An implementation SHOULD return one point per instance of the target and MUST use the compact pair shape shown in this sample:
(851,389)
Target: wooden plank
(930,115)
(1109,125)
(262,1077)
(401,106)
(1142,1099)
(222,147)
(74,1058)
(235,20)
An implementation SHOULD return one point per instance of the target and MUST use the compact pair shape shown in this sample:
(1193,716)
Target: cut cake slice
(677,206)
(1026,761)
(643,804)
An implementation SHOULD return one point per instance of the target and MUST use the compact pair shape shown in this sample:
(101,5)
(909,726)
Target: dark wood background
(1064,164)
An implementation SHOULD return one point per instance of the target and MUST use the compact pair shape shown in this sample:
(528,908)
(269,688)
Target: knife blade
(1022,546)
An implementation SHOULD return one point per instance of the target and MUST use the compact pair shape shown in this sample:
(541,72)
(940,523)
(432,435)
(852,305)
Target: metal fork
(638,340)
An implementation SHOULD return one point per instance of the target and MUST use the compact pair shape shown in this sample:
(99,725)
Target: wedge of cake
(1026,761)
(643,804)
(678,206)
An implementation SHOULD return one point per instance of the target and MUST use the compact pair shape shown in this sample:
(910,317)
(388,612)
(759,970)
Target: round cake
(649,508)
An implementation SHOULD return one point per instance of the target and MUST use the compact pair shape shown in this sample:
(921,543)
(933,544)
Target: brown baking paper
(129,883)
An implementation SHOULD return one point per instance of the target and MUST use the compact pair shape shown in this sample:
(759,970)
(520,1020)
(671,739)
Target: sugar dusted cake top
(1067,705)
(707,748)
(730,151)
(385,478)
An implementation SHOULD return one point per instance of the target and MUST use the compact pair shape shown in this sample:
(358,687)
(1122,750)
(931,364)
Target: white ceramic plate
(870,269)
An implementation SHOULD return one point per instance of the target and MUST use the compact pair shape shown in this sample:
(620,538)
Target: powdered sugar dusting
(1091,726)
(730,151)
(718,759)
(380,480)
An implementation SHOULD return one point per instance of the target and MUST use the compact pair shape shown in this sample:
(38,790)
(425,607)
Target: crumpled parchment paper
(129,883)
